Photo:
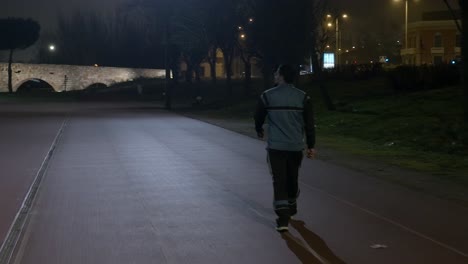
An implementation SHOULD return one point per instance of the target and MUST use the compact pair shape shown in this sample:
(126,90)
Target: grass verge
(413,139)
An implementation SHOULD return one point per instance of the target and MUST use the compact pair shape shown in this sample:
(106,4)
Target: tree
(464,12)
(228,36)
(17,33)
(323,33)
(454,15)
(159,16)
(227,43)
(191,37)
(320,39)
(222,29)
(93,44)
(248,50)
(247,53)
(282,32)
(204,30)
(463,28)
(125,39)
(277,43)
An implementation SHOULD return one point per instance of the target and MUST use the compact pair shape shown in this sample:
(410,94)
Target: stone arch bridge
(71,78)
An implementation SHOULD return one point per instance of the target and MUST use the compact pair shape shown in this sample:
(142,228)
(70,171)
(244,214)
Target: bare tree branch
(454,15)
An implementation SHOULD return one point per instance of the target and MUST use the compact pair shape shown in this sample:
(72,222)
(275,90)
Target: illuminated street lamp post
(406,24)
(338,36)
(337,44)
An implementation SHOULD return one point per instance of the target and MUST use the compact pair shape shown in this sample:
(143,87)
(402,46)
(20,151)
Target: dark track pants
(284,167)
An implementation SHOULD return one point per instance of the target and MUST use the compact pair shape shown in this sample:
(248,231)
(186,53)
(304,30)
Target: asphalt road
(130,183)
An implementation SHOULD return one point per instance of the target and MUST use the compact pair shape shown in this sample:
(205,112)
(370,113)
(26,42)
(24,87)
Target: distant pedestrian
(290,118)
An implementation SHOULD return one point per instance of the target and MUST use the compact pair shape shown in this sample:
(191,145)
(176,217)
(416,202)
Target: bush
(412,78)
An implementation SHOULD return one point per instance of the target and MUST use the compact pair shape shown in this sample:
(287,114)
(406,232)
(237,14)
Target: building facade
(432,41)
(238,67)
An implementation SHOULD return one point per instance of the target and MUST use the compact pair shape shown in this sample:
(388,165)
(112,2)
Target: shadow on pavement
(319,252)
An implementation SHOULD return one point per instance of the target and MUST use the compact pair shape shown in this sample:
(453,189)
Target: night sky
(46,11)
(364,14)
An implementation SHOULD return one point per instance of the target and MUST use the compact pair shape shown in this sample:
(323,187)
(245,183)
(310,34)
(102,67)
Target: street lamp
(338,37)
(338,33)
(406,22)
(49,53)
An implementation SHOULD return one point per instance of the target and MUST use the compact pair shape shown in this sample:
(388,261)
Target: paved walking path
(139,185)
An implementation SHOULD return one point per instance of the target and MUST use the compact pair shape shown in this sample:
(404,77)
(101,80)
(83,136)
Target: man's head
(285,74)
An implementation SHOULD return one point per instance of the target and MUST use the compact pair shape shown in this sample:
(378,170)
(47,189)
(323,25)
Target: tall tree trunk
(454,15)
(212,61)
(464,10)
(228,54)
(229,80)
(189,73)
(248,76)
(323,89)
(197,70)
(267,75)
(10,72)
(175,68)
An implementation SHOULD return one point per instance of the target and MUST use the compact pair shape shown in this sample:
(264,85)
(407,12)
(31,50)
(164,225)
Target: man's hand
(260,134)
(311,153)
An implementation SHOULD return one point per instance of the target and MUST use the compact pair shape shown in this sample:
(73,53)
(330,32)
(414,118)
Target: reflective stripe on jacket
(289,114)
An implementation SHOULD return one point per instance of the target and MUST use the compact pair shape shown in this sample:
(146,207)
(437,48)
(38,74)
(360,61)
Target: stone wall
(69,77)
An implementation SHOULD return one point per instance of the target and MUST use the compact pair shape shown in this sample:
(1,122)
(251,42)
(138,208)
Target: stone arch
(38,81)
(96,86)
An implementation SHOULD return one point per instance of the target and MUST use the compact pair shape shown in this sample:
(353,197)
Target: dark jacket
(290,116)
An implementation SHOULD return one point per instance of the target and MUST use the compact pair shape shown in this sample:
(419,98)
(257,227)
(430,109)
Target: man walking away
(290,116)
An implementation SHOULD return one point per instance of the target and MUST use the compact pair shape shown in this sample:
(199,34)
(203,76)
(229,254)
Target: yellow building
(238,68)
(434,40)
(220,71)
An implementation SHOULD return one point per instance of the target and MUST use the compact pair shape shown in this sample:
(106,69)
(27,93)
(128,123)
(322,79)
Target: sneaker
(291,216)
(281,227)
